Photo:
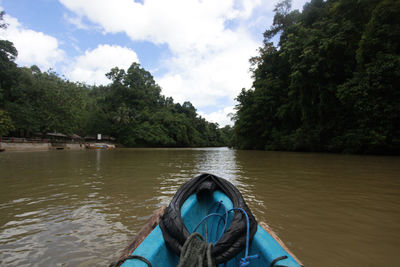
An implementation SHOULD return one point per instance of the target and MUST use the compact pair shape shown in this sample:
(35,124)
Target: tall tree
(331,82)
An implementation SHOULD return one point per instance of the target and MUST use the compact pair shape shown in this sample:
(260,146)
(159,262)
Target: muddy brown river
(81,208)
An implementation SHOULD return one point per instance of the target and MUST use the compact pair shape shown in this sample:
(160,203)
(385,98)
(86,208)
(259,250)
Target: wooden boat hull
(265,243)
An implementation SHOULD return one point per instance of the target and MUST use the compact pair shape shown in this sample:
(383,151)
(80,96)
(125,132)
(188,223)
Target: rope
(245,261)
(196,252)
(131,257)
(216,211)
(209,216)
(278,259)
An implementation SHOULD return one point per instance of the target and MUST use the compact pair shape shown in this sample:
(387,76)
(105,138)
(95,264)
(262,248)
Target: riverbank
(32,146)
(39,146)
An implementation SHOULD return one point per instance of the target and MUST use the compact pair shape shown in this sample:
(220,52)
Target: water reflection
(220,162)
(223,163)
(98,159)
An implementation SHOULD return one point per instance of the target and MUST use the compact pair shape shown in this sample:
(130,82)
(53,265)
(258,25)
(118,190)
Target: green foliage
(8,69)
(131,108)
(331,84)
(42,102)
(5,123)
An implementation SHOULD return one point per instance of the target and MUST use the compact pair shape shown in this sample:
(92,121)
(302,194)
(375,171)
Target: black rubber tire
(232,242)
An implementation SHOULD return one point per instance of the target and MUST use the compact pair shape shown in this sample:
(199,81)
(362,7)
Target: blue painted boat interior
(193,211)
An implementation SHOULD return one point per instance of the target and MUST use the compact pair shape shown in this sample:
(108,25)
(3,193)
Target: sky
(197,50)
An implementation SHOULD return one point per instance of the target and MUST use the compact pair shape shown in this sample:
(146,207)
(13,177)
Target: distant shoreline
(29,146)
(39,146)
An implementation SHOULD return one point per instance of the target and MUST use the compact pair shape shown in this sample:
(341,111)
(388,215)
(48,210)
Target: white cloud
(222,116)
(207,80)
(209,63)
(76,21)
(92,66)
(33,47)
(210,42)
(182,24)
(37,48)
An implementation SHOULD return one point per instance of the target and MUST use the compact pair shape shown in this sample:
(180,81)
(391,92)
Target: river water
(81,208)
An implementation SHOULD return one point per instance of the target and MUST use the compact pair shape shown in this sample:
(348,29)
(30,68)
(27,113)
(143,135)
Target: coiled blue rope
(245,261)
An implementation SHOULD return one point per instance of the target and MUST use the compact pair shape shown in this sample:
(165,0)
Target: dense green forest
(131,108)
(329,83)
(325,79)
